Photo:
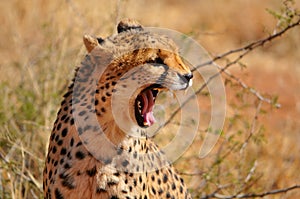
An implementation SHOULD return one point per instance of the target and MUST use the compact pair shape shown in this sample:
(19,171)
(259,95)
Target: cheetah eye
(144,105)
(157,60)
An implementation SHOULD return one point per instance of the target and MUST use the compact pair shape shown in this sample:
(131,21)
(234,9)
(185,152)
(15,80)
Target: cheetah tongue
(147,112)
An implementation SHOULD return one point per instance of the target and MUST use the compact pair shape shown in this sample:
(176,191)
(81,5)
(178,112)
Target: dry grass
(41,43)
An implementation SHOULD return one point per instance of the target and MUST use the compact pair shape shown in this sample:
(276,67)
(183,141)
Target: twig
(219,188)
(250,46)
(252,195)
(192,174)
(251,90)
(16,170)
(252,127)
(76,11)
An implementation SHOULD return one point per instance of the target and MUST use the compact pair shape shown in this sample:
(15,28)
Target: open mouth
(144,104)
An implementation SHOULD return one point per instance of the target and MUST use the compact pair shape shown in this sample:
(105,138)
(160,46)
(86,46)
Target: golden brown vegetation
(41,44)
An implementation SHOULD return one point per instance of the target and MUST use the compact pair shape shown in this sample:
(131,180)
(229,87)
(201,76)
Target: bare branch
(252,195)
(252,127)
(250,46)
(251,90)
(246,49)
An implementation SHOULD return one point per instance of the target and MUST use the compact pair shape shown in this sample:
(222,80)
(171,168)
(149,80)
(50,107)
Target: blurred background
(41,43)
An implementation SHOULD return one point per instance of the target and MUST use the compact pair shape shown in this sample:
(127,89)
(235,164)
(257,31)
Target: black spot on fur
(176,177)
(158,181)
(67,94)
(58,194)
(153,190)
(160,191)
(79,144)
(69,155)
(79,155)
(181,181)
(60,142)
(68,182)
(52,137)
(50,174)
(125,163)
(56,138)
(54,149)
(173,186)
(64,132)
(58,127)
(165,178)
(119,151)
(100,190)
(72,121)
(81,113)
(152,177)
(91,172)
(135,155)
(63,151)
(72,142)
(168,195)
(63,117)
(67,166)
(80,131)
(181,189)
(67,120)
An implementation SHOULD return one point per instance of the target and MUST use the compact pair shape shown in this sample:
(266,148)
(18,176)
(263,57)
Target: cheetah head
(147,61)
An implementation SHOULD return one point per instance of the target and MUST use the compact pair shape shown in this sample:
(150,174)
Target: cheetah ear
(90,42)
(129,24)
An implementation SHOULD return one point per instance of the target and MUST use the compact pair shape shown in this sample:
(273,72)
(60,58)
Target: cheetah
(90,155)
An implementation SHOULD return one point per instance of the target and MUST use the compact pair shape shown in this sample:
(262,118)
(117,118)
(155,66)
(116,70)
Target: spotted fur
(80,163)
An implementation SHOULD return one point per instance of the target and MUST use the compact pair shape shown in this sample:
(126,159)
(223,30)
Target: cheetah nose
(188,76)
